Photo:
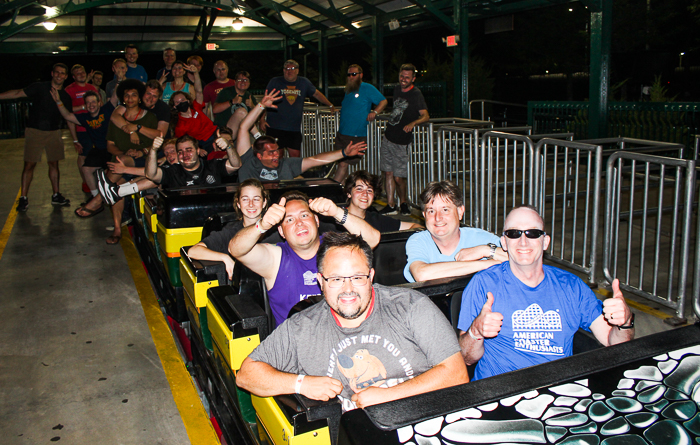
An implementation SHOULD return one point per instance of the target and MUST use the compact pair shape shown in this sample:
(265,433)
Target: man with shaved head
(522,313)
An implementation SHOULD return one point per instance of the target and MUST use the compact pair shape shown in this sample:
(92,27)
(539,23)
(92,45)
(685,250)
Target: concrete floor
(77,361)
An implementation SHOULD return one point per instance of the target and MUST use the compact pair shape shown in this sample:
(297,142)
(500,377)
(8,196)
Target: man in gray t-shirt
(265,160)
(366,344)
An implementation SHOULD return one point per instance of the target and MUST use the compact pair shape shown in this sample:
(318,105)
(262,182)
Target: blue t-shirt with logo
(97,126)
(287,115)
(538,323)
(355,108)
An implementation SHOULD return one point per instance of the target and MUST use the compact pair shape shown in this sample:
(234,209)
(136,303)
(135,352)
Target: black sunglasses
(353,74)
(530,233)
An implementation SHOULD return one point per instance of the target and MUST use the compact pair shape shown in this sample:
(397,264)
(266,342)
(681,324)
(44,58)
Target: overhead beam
(441,18)
(112,47)
(338,18)
(197,37)
(88,31)
(207,30)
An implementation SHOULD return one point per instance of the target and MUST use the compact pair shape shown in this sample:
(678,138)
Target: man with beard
(43,132)
(355,114)
(409,110)
(232,105)
(284,123)
(81,139)
(366,344)
(289,268)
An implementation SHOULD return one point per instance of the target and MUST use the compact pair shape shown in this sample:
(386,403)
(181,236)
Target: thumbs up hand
(615,309)
(488,323)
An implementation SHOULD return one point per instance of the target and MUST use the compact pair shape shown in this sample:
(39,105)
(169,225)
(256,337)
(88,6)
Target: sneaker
(59,200)
(388,210)
(107,188)
(23,204)
(405,210)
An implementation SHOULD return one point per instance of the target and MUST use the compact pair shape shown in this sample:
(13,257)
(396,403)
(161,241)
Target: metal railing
(13,118)
(503,114)
(568,182)
(656,269)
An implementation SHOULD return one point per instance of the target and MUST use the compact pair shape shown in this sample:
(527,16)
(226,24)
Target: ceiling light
(50,24)
(237,24)
(394,25)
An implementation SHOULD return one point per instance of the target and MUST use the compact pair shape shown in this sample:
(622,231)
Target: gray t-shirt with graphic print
(289,168)
(404,336)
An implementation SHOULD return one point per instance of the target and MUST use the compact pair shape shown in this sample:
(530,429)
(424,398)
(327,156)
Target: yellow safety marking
(638,306)
(197,423)
(9,223)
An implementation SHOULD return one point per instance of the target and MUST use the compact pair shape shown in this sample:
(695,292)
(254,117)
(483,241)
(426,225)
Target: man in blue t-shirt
(289,268)
(522,313)
(355,114)
(284,123)
(133,70)
(446,249)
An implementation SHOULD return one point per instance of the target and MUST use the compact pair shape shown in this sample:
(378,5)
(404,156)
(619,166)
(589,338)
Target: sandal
(114,239)
(90,213)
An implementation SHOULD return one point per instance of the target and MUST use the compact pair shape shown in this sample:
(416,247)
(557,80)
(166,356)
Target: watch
(630,326)
(493,250)
(138,128)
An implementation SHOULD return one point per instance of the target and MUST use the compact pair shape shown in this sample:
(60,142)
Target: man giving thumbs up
(522,313)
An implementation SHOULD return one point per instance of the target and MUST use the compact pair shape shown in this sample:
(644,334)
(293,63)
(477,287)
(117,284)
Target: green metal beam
(338,18)
(89,31)
(282,29)
(461,59)
(378,53)
(441,18)
(313,24)
(197,36)
(207,30)
(599,83)
(115,47)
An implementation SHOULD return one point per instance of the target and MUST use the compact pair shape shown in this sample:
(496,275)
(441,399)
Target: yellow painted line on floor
(197,423)
(9,223)
(638,306)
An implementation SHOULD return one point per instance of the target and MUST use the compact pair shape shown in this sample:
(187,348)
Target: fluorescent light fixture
(237,24)
(50,24)
(63,48)
(356,24)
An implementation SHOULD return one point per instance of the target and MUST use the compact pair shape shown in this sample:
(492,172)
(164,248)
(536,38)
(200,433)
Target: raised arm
(263,259)
(616,314)
(67,115)
(233,162)
(243,144)
(357,149)
(353,224)
(152,171)
(198,90)
(263,380)
(486,325)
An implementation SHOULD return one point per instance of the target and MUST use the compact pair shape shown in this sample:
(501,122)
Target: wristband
(469,331)
(373,111)
(75,142)
(297,385)
(630,326)
(344,219)
(260,229)
(342,152)
(261,106)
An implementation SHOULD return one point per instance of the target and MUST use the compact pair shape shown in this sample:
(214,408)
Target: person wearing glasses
(364,343)
(446,249)
(289,268)
(522,313)
(284,122)
(356,113)
(233,103)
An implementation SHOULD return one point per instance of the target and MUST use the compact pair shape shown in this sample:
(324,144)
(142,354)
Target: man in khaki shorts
(43,132)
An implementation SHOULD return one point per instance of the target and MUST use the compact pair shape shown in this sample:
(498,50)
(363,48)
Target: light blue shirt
(138,73)
(421,247)
(355,108)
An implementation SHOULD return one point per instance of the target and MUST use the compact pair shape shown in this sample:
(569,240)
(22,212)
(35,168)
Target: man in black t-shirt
(43,132)
(408,111)
(192,170)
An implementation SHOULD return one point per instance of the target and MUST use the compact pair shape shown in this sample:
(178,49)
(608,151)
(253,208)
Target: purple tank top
(296,280)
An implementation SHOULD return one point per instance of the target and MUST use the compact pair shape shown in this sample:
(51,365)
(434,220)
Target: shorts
(286,139)
(97,158)
(342,141)
(86,141)
(394,158)
(38,141)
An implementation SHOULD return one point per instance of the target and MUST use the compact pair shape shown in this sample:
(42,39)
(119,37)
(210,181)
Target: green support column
(323,62)
(461,59)
(601,30)
(378,53)
(287,49)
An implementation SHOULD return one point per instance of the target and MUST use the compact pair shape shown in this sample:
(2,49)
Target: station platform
(86,352)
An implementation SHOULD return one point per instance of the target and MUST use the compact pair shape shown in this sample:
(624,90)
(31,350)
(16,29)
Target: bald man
(522,313)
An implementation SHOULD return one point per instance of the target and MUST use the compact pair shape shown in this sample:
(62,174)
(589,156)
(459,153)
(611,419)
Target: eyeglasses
(355,280)
(530,233)
(242,80)
(353,74)
(291,68)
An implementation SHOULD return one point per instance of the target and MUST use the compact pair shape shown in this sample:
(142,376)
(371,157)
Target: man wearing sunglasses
(355,114)
(446,249)
(366,344)
(289,268)
(522,313)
